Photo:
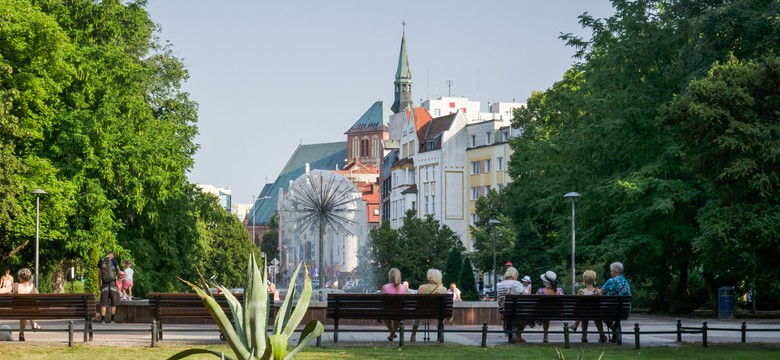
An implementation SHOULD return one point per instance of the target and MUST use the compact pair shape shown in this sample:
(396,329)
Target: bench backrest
(47,306)
(567,307)
(387,306)
(187,305)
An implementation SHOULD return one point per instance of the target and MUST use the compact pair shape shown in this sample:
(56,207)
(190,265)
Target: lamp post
(37,193)
(573,197)
(254,206)
(494,222)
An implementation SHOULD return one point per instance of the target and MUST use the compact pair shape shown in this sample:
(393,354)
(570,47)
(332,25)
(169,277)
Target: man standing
(109,292)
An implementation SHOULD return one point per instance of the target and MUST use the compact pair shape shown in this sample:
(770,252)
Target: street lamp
(494,222)
(573,196)
(37,193)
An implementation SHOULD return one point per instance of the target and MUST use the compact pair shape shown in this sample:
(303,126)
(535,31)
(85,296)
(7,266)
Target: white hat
(549,276)
(526,279)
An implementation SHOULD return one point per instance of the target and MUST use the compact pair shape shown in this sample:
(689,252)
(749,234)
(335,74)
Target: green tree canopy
(418,245)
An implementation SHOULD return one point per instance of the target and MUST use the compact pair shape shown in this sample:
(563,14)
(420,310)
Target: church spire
(403,79)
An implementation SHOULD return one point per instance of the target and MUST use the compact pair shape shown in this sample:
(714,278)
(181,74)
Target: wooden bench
(389,307)
(49,307)
(189,306)
(566,307)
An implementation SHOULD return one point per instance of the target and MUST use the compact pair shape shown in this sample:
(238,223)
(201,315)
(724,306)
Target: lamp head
(38,192)
(494,222)
(572,195)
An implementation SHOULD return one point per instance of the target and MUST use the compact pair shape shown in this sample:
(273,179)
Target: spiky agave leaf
(300,307)
(238,313)
(255,305)
(213,307)
(285,311)
(183,354)
(312,330)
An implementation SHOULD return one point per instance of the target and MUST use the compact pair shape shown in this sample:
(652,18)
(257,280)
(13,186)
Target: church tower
(403,81)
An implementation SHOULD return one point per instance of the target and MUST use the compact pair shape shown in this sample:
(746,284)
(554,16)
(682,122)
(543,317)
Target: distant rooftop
(326,156)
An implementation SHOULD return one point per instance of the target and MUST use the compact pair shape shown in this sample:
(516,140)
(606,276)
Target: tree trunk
(58,279)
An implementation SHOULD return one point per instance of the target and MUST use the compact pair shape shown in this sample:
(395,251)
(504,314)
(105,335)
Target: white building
(223,194)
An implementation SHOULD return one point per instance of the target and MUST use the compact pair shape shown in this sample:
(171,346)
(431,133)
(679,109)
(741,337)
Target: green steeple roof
(403,72)
(375,118)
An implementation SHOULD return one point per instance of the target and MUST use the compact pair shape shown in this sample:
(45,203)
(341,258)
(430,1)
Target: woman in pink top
(393,287)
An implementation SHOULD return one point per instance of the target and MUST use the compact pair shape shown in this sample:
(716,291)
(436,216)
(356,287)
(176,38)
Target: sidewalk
(140,335)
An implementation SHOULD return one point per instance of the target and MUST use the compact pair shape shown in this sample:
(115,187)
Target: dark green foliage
(419,245)
(466,283)
(674,172)
(270,243)
(451,272)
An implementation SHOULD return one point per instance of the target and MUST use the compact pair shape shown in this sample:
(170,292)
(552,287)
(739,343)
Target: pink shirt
(390,288)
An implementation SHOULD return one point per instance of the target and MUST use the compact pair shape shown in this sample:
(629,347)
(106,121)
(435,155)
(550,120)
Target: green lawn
(423,351)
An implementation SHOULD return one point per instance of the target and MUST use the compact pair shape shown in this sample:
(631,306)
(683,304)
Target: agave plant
(248,335)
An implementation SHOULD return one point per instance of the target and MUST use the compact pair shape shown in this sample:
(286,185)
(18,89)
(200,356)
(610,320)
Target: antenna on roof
(300,141)
(403,24)
(449,88)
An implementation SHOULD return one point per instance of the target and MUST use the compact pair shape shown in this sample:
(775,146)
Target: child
(127,283)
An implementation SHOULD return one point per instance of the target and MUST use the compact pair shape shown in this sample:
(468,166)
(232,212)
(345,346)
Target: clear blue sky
(269,74)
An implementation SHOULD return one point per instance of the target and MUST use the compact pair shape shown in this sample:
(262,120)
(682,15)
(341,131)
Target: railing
(680,330)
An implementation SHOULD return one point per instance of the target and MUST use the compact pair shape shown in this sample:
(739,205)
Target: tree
(466,283)
(92,111)
(418,245)
(270,244)
(730,130)
(602,131)
(453,266)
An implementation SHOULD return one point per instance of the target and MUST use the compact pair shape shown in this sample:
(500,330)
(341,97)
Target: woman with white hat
(550,280)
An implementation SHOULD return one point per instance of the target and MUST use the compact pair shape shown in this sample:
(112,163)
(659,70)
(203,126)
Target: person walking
(127,282)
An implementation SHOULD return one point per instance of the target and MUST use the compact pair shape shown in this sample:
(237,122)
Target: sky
(269,75)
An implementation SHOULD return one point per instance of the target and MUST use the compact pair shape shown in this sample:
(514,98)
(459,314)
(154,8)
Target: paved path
(139,334)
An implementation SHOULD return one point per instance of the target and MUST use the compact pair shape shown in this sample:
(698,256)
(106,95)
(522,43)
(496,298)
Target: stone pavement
(140,335)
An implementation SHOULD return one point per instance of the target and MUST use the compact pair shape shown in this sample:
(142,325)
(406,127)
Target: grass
(422,351)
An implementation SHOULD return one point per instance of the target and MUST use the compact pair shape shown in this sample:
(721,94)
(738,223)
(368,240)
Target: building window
(426,204)
(475,167)
(433,204)
(376,212)
(488,139)
(364,148)
(473,140)
(436,112)
(475,193)
(505,136)
(499,187)
(500,163)
(487,165)
(355,148)
(473,219)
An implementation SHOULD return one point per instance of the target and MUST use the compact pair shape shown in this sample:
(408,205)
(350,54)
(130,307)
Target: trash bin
(725,303)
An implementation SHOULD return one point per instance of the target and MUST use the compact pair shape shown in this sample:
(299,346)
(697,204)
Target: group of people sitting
(615,285)
(433,286)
